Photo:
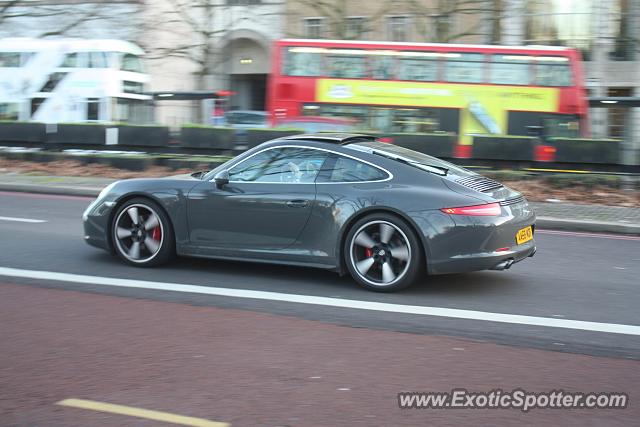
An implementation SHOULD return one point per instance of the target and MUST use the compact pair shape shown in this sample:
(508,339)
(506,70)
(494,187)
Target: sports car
(350,203)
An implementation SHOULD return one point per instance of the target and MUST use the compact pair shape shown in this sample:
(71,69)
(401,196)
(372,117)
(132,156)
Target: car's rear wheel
(142,234)
(383,253)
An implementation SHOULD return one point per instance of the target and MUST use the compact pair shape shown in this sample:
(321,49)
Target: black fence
(205,140)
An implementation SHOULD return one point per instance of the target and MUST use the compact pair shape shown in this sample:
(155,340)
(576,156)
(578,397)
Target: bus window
(415,120)
(9,59)
(131,63)
(464,67)
(9,111)
(302,62)
(382,66)
(553,71)
(510,69)
(93,107)
(70,60)
(346,64)
(97,60)
(419,66)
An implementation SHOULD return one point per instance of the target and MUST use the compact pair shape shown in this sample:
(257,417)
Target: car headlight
(105,191)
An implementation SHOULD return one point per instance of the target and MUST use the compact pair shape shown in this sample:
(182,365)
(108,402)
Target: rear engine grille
(479,183)
(513,201)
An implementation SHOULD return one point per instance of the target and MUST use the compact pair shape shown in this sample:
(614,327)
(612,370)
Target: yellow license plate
(524,235)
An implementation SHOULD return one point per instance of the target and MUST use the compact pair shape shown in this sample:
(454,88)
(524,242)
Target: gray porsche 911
(344,202)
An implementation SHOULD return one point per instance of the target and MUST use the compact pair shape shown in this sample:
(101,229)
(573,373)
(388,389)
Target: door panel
(249,215)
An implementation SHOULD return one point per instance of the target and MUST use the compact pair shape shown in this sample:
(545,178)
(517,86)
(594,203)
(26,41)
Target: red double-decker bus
(465,90)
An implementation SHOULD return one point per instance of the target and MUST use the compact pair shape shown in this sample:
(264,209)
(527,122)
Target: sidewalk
(556,216)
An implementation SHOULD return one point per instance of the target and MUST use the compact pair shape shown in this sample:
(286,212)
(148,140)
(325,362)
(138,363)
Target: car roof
(335,138)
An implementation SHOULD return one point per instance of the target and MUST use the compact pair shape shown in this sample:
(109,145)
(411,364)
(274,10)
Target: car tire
(142,233)
(383,253)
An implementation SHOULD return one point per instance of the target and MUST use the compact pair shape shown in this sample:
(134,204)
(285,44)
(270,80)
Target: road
(452,339)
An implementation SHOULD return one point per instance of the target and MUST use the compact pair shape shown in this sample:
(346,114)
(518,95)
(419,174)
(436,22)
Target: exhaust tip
(503,265)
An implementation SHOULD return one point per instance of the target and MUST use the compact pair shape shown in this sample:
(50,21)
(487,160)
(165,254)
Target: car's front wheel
(383,253)
(142,234)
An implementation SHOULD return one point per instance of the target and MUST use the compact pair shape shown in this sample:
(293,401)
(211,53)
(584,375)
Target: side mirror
(221,178)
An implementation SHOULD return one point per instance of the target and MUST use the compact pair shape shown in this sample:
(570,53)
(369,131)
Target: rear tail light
(490,209)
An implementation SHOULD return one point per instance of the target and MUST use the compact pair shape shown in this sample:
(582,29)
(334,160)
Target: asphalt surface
(248,369)
(573,276)
(243,361)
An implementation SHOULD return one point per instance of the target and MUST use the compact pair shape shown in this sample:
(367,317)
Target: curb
(549,223)
(581,225)
(53,189)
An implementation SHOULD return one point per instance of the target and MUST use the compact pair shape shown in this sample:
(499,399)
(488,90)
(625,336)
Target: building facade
(210,45)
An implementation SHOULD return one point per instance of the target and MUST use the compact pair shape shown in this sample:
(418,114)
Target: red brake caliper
(156,234)
(368,252)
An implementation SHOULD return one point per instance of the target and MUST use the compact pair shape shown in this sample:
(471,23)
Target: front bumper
(95,220)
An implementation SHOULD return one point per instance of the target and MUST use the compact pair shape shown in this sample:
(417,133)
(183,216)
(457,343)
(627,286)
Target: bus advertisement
(466,90)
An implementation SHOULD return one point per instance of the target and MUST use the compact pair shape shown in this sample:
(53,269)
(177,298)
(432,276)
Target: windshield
(410,156)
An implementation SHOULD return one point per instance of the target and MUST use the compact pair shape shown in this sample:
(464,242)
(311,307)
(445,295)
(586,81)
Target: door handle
(299,203)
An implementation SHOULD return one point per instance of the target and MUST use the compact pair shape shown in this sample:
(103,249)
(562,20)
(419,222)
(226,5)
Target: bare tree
(338,14)
(435,20)
(101,18)
(194,30)
(432,20)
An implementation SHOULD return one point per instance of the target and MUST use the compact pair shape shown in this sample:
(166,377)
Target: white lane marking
(10,218)
(612,328)
(581,234)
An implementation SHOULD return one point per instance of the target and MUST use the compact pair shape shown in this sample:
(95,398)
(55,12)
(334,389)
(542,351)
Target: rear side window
(345,169)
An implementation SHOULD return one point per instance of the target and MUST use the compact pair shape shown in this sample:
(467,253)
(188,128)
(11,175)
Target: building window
(443,27)
(313,28)
(625,31)
(617,114)
(560,23)
(355,27)
(243,2)
(398,28)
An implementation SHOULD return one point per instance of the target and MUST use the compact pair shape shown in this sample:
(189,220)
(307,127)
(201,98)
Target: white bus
(73,80)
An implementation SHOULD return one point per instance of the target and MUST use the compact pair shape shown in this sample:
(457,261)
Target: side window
(345,64)
(510,69)
(285,165)
(131,63)
(300,61)
(97,60)
(419,66)
(9,59)
(70,60)
(464,68)
(553,71)
(382,67)
(345,169)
